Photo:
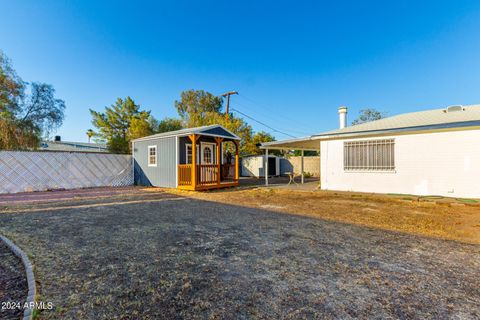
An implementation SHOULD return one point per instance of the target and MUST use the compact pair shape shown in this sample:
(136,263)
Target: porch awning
(306,143)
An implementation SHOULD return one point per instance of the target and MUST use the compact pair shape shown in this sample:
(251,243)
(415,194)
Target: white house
(434,152)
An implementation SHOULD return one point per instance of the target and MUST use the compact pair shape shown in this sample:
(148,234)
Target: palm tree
(90,133)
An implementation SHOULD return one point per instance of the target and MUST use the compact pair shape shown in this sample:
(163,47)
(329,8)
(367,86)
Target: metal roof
(72,146)
(305,143)
(413,120)
(464,117)
(189,131)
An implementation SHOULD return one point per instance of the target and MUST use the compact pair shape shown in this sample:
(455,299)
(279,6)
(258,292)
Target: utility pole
(228,94)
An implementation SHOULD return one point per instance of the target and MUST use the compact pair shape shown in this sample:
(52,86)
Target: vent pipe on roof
(342,114)
(454,108)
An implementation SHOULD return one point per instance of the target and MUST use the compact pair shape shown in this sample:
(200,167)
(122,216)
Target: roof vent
(454,108)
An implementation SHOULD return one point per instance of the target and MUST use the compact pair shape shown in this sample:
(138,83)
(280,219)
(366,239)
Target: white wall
(253,166)
(446,164)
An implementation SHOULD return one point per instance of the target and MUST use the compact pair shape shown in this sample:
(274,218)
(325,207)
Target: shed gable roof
(212,130)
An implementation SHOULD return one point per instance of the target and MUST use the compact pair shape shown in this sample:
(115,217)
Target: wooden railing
(207,174)
(184,174)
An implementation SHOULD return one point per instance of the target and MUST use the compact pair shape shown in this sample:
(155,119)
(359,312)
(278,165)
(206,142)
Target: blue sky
(293,62)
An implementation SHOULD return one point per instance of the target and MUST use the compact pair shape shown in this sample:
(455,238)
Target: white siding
(446,164)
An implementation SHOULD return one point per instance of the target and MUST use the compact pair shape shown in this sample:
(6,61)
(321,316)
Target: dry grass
(440,218)
(196,259)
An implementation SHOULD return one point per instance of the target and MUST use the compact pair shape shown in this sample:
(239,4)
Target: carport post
(265,171)
(301,167)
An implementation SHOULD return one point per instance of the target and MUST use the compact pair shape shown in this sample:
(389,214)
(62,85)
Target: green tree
(367,115)
(200,108)
(140,126)
(306,153)
(257,139)
(235,125)
(169,124)
(43,111)
(195,106)
(118,144)
(90,133)
(26,118)
(16,136)
(11,89)
(115,124)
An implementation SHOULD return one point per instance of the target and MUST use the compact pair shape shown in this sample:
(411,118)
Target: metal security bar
(369,155)
(22,171)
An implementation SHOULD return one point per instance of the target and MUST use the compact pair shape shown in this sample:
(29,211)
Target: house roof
(457,117)
(212,130)
(423,120)
(72,146)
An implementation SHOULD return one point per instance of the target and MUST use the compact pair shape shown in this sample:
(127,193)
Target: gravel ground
(13,284)
(188,258)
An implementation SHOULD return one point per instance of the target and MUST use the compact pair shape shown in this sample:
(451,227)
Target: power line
(271,110)
(263,124)
(259,113)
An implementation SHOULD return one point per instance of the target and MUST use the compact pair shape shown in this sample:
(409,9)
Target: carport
(302,144)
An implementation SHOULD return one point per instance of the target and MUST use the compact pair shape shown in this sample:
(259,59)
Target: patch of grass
(427,216)
(467,200)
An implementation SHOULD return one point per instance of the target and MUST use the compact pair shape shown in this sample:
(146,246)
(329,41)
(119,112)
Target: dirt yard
(428,216)
(153,255)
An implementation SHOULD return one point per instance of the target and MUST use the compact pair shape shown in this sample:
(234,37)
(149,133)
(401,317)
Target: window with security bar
(369,155)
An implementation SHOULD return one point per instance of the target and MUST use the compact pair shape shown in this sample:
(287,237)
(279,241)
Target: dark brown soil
(13,284)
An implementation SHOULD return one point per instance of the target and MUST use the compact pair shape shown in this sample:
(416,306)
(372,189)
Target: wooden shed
(198,158)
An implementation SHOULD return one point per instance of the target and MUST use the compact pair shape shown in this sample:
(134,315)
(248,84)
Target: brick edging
(32,290)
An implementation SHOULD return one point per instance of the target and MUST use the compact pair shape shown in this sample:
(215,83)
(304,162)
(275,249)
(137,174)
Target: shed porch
(205,165)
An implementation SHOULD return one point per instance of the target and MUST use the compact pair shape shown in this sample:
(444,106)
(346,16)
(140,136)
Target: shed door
(272,166)
(206,152)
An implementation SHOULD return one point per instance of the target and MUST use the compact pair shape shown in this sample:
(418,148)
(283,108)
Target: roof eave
(403,130)
(187,133)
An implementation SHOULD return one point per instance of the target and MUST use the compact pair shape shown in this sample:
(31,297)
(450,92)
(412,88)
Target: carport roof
(305,143)
(212,130)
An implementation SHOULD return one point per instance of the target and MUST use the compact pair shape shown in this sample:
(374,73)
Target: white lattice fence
(37,171)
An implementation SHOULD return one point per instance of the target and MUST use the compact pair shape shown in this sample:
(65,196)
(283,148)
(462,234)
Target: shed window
(152,156)
(369,155)
(188,153)
(207,155)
